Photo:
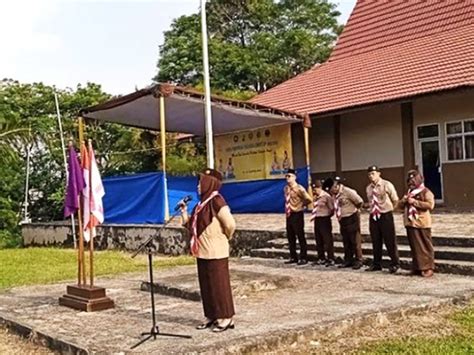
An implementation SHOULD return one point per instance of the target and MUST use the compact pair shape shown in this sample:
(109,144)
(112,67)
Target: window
(430,131)
(460,140)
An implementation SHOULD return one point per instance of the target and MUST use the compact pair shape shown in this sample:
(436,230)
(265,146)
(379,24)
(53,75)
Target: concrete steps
(452,255)
(441,252)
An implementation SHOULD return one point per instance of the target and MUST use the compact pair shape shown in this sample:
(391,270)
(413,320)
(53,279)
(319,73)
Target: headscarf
(210,182)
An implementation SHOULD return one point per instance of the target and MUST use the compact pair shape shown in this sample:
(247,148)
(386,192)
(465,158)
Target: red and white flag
(92,193)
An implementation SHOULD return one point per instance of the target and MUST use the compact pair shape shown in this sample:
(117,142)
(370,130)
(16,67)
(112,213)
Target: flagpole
(81,228)
(63,147)
(163,155)
(207,87)
(91,230)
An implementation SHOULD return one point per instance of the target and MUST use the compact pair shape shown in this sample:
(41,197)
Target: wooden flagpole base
(86,298)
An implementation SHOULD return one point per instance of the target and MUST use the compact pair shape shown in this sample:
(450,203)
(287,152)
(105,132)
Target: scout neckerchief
(287,201)
(199,207)
(337,205)
(412,210)
(316,205)
(375,204)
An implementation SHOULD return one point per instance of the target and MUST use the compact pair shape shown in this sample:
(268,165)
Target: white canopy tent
(184,112)
(169,108)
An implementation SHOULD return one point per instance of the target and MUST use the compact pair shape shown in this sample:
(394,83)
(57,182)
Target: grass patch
(460,342)
(32,266)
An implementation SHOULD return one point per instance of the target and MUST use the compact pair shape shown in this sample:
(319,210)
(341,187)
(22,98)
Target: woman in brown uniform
(417,204)
(211,225)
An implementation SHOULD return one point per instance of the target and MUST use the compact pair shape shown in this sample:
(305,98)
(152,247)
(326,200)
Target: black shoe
(357,265)
(302,262)
(330,262)
(319,262)
(374,268)
(345,265)
(393,269)
(206,325)
(291,261)
(218,328)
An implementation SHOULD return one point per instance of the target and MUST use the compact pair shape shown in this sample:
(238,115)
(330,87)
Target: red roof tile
(388,50)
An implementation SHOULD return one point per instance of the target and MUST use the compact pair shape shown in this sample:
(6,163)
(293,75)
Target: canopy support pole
(308,157)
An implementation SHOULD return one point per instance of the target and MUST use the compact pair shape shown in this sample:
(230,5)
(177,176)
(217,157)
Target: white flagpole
(63,147)
(207,88)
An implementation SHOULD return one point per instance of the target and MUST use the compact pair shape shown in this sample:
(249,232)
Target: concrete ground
(310,301)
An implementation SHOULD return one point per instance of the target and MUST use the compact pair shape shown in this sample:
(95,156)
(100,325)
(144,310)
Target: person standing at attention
(347,203)
(323,208)
(382,198)
(296,198)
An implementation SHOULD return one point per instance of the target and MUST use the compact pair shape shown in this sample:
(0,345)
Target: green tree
(28,122)
(253,44)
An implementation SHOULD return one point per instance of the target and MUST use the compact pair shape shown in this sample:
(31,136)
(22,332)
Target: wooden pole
(82,269)
(91,231)
(163,154)
(308,158)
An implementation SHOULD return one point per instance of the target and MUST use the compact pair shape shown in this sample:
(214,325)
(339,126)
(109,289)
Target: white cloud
(20,30)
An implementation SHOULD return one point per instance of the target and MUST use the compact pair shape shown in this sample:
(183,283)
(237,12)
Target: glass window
(454,128)
(468,126)
(469,144)
(455,148)
(428,131)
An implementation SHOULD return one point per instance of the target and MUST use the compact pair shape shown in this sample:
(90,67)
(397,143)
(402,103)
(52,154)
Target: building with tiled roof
(397,91)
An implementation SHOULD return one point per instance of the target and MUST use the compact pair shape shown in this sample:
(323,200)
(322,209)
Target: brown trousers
(351,238)
(383,231)
(216,293)
(324,238)
(421,245)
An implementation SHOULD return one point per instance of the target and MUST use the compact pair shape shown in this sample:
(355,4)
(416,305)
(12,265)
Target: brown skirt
(214,282)
(421,246)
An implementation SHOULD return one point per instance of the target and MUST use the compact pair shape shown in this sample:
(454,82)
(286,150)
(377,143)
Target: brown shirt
(386,194)
(214,240)
(424,203)
(325,204)
(349,200)
(299,197)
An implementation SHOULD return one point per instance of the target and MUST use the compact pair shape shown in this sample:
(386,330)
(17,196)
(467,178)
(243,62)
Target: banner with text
(252,155)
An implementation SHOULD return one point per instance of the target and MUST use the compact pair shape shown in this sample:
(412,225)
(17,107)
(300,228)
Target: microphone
(183,201)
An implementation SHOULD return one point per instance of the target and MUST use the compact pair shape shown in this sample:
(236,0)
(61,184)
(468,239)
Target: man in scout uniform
(382,198)
(347,203)
(323,207)
(418,203)
(296,198)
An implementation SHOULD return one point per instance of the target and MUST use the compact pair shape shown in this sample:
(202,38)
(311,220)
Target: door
(431,167)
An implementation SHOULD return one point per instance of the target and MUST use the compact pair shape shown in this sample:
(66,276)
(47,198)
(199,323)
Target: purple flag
(75,184)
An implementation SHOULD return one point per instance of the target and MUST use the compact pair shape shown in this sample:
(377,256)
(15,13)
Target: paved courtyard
(275,304)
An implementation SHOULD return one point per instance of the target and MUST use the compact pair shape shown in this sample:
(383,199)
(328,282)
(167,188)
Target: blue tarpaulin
(139,198)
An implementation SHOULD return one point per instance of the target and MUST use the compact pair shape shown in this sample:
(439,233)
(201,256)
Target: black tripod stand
(155,330)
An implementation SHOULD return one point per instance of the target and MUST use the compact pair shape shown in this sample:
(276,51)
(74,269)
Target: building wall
(457,176)
(371,136)
(323,155)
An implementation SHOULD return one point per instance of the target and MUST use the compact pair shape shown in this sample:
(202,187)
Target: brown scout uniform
(419,230)
(322,212)
(382,226)
(298,199)
(350,202)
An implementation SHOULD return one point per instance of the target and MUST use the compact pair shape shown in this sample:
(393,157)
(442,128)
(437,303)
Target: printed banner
(253,155)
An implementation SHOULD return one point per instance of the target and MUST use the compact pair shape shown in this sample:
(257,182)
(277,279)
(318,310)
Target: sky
(112,43)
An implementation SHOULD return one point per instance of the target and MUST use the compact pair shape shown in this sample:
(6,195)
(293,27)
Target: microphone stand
(155,330)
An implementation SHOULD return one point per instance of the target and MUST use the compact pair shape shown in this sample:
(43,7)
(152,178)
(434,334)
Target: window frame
(463,135)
